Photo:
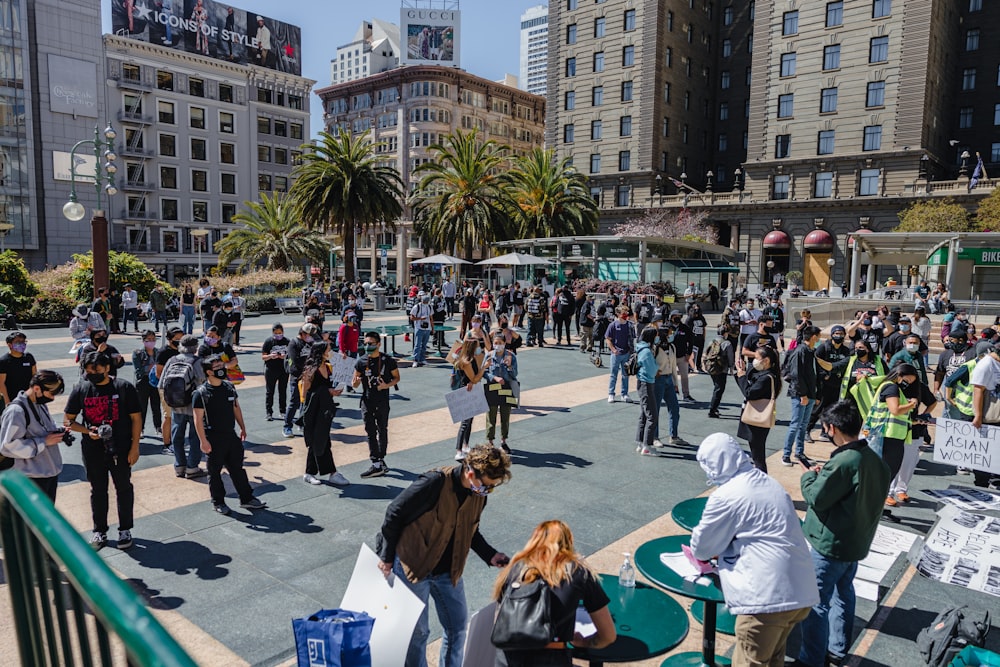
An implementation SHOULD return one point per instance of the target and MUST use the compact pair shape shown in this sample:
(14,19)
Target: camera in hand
(104,432)
(67,438)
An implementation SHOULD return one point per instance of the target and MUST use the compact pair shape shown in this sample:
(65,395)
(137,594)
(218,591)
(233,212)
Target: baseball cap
(14,335)
(675,312)
(308,328)
(766,317)
(838,328)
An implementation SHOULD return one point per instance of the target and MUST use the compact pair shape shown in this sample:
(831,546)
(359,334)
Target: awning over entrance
(904,248)
(704,266)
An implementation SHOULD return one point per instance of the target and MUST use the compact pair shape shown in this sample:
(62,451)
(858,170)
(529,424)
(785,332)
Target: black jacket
(801,378)
(839,359)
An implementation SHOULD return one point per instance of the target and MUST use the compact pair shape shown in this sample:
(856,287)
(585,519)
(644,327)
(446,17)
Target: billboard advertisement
(72,86)
(430,36)
(213,29)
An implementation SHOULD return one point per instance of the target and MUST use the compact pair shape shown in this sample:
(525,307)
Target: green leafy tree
(988,213)
(343,186)
(551,197)
(933,215)
(273,235)
(17,289)
(462,200)
(123,268)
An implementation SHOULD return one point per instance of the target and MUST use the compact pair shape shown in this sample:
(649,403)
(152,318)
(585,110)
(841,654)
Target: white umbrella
(441,259)
(515,259)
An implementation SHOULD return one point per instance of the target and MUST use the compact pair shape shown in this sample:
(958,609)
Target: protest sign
(962,444)
(465,403)
(966,498)
(963,549)
(343,370)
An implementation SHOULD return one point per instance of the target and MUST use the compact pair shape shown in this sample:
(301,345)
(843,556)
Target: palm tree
(342,186)
(551,198)
(461,201)
(271,233)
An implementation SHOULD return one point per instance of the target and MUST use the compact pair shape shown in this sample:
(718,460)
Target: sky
(490,37)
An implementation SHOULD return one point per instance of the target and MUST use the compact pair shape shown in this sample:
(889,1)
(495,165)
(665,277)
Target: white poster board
(465,403)
(966,498)
(962,549)
(343,370)
(479,650)
(960,443)
(393,606)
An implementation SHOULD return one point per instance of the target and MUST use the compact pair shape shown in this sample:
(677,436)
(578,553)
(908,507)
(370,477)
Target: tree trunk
(349,250)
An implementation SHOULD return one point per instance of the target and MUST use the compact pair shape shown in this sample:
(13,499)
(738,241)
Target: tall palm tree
(272,234)
(461,201)
(551,198)
(342,186)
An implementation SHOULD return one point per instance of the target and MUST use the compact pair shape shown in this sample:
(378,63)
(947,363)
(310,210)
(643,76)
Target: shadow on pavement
(267,448)
(540,410)
(152,596)
(548,460)
(266,521)
(180,557)
(370,492)
(73,472)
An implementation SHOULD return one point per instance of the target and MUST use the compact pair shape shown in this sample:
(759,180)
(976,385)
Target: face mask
(816,344)
(149,344)
(670,338)
(174,343)
(95,378)
(774,304)
(758,364)
(370,348)
(310,339)
(499,347)
(42,399)
(656,341)
(220,373)
(675,320)
(912,348)
(476,325)
(210,341)
(904,327)
(100,340)
(837,339)
(19,347)
(228,310)
(861,353)
(903,384)
(279,336)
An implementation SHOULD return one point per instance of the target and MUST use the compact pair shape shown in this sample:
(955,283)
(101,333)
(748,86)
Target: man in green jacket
(844,499)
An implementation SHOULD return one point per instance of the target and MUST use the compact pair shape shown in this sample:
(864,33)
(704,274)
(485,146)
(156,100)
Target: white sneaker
(337,479)
(311,479)
(657,443)
(638,447)
(626,398)
(611,398)
(459,455)
(648,452)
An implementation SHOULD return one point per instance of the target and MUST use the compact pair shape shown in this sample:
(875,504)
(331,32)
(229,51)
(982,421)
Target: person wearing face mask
(587,318)
(295,356)
(217,410)
(143,361)
(183,434)
(684,347)
(420,318)
(425,540)
(215,343)
(273,353)
(985,382)
(99,343)
(376,373)
(777,326)
(470,367)
(29,438)
(838,355)
(84,322)
(170,350)
(103,401)
(238,303)
(352,309)
(759,338)
(749,317)
(864,364)
(478,332)
(697,325)
(318,394)
(209,306)
(911,452)
(666,385)
(719,361)
(803,389)
(862,329)
(501,369)
(511,338)
(765,567)
(762,381)
(16,367)
(962,319)
(896,341)
(911,354)
(223,322)
(891,417)
(620,337)
(645,380)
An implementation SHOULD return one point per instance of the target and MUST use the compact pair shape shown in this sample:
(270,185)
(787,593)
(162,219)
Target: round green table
(687,513)
(648,621)
(706,589)
(725,622)
(391,332)
(442,328)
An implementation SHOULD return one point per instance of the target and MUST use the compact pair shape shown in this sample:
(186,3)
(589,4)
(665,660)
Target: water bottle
(626,575)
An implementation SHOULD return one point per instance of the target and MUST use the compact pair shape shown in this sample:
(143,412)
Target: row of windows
(169,209)
(868,184)
(279,128)
(834,15)
(276,98)
(874,97)
(624,161)
(826,139)
(198,149)
(600,26)
(597,129)
(878,52)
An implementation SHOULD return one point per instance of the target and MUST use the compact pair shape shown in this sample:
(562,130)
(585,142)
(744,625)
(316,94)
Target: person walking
(666,385)
(17,367)
(718,361)
(425,541)
(500,370)
(470,366)
(537,312)
(29,438)
(804,392)
(645,379)
(187,309)
(318,393)
(182,374)
(130,307)
(761,381)
(143,362)
(238,303)
(620,337)
(587,318)
(158,308)
(376,373)
(684,345)
(420,318)
(295,357)
(448,292)
(216,410)
(713,296)
(273,352)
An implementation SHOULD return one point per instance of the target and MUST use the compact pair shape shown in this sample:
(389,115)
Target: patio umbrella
(447,260)
(515,259)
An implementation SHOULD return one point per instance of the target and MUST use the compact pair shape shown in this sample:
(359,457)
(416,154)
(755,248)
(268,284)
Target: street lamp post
(963,172)
(708,184)
(199,237)
(831,263)
(684,177)
(770,271)
(104,181)
(739,181)
(5,228)
(659,188)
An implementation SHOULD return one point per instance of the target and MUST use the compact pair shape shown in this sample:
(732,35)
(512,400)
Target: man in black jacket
(800,373)
(295,357)
(834,352)
(683,345)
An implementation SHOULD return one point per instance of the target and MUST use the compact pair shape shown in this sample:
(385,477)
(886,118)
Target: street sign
(383,252)
(384,246)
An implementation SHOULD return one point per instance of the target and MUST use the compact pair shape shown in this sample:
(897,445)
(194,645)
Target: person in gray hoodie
(764,563)
(30,437)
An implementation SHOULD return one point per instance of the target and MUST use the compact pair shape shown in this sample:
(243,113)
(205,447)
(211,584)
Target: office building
(374,49)
(534,49)
(407,110)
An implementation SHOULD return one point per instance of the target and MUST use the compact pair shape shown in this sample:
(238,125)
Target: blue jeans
(159,316)
(449,602)
(187,319)
(179,423)
(618,366)
(420,338)
(830,624)
(798,427)
(666,392)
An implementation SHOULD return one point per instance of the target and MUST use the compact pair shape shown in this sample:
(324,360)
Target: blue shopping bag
(334,638)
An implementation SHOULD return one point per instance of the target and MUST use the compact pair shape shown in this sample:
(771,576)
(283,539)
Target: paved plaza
(228,587)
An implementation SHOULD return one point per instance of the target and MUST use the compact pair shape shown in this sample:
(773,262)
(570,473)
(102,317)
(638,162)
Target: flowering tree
(684,224)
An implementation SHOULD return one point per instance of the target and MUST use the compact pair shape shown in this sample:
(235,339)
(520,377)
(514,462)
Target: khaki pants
(760,638)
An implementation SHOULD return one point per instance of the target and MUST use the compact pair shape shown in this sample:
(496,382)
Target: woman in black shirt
(761,381)
(320,409)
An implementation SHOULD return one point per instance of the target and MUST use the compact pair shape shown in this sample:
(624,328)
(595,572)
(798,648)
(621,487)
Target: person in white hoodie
(764,564)
(30,437)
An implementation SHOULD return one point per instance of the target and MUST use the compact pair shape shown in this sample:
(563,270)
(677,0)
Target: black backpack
(631,366)
(177,383)
(787,364)
(952,630)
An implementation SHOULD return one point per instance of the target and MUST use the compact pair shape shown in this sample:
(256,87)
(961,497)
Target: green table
(442,328)
(391,332)
(648,621)
(647,561)
(724,621)
(687,513)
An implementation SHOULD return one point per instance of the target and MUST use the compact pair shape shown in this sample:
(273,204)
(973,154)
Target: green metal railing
(69,607)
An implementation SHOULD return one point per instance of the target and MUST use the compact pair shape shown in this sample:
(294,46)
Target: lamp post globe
(74,211)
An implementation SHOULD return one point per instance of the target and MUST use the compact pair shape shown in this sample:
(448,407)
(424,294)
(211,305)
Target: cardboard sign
(960,443)
(465,403)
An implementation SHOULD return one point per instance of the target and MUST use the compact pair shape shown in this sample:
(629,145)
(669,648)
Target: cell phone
(805,462)
(872,313)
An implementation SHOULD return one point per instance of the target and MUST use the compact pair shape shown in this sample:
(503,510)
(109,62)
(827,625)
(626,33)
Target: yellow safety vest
(964,391)
(848,372)
(893,426)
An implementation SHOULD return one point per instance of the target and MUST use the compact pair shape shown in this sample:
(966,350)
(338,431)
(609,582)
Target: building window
(752,13)
(788,64)
(264,182)
(873,138)
(824,185)
(629,20)
(225,92)
(780,190)
(599,61)
(599,27)
(786,105)
(226,122)
(628,56)
(965,118)
(666,126)
(969,78)
(668,57)
(228,211)
(975,5)
(568,133)
(878,51)
(168,178)
(571,67)
(831,57)
(168,209)
(684,133)
(165,112)
(571,34)
(228,184)
(571,4)
(569,100)
(199,211)
(834,14)
(227,153)
(625,126)
(597,96)
(197,118)
(824,142)
(626,91)
(281,184)
(199,149)
(869,182)
(263,153)
(996,114)
(666,93)
(168,145)
(196,87)
(881,8)
(263,125)
(875,97)
(280,128)
(624,160)
(265,96)
(595,129)
(295,131)
(724,80)
(723,142)
(595,163)
(828,100)
(281,156)
(972,40)
(164,80)
(727,48)
(790,23)
(724,111)
(199,180)
(727,16)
